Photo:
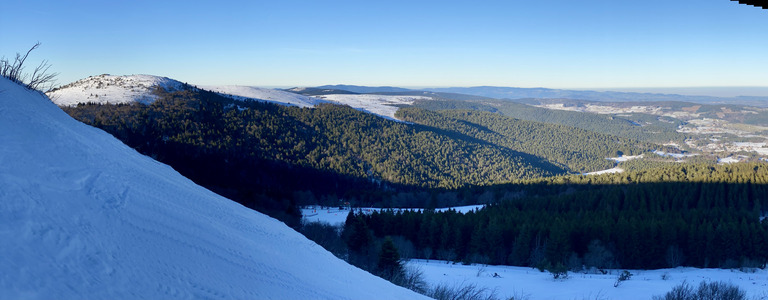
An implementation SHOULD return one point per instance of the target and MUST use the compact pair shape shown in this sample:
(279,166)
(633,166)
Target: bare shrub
(716,290)
(412,278)
(38,80)
(467,291)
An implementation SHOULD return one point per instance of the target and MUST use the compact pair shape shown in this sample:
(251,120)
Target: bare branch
(40,78)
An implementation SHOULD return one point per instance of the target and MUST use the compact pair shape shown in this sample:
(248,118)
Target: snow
(112,89)
(336,216)
(244,93)
(522,281)
(674,155)
(728,160)
(608,171)
(382,105)
(140,88)
(82,216)
(624,158)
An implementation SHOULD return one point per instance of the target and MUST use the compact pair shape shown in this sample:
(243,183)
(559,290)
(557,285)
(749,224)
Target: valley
(637,174)
(491,150)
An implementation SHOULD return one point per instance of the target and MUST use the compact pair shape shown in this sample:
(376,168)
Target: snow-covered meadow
(244,93)
(382,105)
(528,283)
(532,284)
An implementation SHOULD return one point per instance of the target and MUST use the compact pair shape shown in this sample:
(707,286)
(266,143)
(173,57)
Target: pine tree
(389,265)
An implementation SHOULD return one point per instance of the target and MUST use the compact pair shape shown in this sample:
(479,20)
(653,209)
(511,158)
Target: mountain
(363,89)
(85,217)
(309,91)
(113,89)
(608,96)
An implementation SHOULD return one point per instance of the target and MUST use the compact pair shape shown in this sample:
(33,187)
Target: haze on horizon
(714,46)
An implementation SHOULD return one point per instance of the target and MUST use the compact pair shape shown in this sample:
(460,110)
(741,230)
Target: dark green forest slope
(574,149)
(641,127)
(272,157)
(682,214)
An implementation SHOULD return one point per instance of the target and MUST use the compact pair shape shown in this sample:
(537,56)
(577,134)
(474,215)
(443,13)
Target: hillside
(245,93)
(574,149)
(275,144)
(86,217)
(644,127)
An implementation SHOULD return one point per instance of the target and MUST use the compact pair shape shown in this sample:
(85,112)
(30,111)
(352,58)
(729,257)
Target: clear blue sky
(523,43)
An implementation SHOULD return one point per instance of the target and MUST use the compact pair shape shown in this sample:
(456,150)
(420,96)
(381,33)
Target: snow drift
(84,216)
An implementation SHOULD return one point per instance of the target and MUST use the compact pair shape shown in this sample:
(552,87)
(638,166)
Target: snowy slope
(83,216)
(112,89)
(239,92)
(382,105)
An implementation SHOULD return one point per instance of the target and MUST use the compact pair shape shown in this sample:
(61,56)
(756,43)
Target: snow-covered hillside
(239,92)
(140,88)
(83,216)
(112,89)
(382,105)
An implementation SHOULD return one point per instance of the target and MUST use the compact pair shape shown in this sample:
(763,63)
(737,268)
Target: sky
(581,44)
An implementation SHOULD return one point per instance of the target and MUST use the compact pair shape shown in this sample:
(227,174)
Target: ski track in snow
(644,284)
(82,216)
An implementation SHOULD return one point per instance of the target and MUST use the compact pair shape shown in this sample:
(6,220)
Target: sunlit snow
(113,89)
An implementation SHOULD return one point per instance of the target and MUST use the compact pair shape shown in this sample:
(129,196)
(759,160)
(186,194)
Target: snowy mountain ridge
(141,88)
(85,217)
(113,89)
(246,93)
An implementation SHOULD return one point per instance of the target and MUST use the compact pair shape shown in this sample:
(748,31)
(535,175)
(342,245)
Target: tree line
(701,216)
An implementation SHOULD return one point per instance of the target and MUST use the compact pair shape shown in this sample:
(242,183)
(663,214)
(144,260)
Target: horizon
(707,91)
(591,45)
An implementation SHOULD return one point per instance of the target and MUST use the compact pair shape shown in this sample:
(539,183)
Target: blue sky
(555,44)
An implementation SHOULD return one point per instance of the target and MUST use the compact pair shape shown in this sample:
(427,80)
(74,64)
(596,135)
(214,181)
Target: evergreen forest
(539,212)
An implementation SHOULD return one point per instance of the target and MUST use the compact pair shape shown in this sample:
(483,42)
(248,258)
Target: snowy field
(382,105)
(336,216)
(608,171)
(83,216)
(532,284)
(522,281)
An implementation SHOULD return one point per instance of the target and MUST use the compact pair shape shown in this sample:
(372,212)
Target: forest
(274,158)
(682,215)
(538,213)
(654,129)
